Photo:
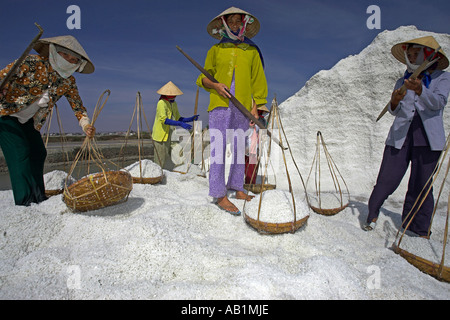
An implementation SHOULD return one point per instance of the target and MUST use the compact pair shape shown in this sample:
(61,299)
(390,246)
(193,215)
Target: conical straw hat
(169,89)
(429,41)
(263,108)
(68,42)
(216,23)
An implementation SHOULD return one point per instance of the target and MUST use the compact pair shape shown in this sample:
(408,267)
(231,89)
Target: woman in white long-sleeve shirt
(416,136)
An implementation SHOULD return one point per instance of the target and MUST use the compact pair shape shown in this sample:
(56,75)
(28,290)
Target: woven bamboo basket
(328,212)
(275,228)
(440,272)
(152,180)
(51,193)
(272,228)
(336,179)
(98,191)
(258,188)
(140,114)
(46,136)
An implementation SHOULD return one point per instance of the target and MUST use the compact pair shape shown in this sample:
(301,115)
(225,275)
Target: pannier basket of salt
(277,211)
(334,199)
(54,181)
(96,190)
(144,171)
(186,156)
(259,187)
(430,261)
(260,184)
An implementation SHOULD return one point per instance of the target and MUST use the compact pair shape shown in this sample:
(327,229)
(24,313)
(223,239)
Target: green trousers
(25,154)
(162,154)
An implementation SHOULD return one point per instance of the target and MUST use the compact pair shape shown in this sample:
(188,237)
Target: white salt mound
(343,104)
(55,180)
(149,169)
(276,207)
(189,168)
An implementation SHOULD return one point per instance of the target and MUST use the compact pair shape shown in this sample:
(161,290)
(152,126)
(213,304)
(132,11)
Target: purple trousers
(393,167)
(221,120)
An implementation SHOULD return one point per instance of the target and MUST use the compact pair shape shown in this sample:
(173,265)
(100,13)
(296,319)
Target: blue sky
(132,44)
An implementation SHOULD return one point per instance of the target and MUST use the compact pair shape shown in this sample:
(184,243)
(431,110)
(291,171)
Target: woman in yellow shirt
(167,117)
(237,64)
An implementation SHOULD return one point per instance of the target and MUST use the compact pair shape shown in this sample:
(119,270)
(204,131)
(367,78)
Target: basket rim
(256,188)
(283,227)
(424,265)
(96,175)
(53,192)
(147,180)
(328,212)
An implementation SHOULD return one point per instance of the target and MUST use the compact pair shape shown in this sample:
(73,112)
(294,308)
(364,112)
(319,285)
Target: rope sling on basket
(333,200)
(260,152)
(144,171)
(54,181)
(290,214)
(437,270)
(97,190)
(193,149)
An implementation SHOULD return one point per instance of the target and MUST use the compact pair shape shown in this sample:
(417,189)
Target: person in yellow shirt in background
(167,117)
(237,64)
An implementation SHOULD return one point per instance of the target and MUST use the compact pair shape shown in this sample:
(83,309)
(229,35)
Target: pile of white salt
(55,180)
(148,167)
(277,207)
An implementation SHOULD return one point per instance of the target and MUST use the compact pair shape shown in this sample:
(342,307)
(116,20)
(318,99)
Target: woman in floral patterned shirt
(39,82)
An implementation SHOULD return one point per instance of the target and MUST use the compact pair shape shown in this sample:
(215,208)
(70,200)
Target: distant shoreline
(59,155)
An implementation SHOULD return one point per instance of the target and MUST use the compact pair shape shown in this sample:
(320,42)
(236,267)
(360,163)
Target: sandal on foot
(369,226)
(234,213)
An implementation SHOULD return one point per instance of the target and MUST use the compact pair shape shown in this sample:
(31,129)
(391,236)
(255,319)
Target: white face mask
(61,65)
(420,59)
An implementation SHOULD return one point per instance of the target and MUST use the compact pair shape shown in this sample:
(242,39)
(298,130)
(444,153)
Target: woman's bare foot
(243,196)
(228,206)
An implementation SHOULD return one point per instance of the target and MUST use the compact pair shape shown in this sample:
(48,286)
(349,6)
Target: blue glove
(194,118)
(171,122)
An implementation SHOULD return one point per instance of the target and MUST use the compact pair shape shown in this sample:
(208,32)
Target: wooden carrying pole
(424,66)
(19,61)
